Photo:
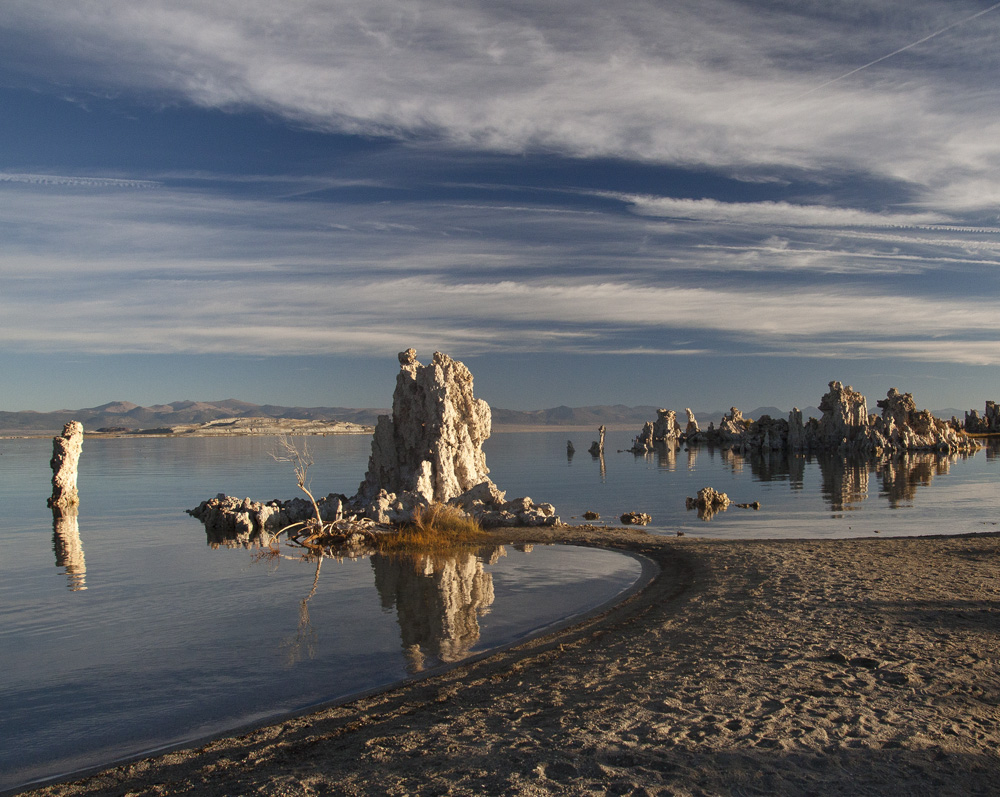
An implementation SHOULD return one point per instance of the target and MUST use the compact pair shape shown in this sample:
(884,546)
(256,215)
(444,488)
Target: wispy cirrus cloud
(729,86)
(64,180)
(308,316)
(773,214)
(177,270)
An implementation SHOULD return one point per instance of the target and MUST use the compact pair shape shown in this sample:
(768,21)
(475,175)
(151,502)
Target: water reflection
(251,540)
(604,469)
(844,481)
(901,477)
(668,456)
(438,600)
(438,597)
(772,466)
(68,547)
(303,644)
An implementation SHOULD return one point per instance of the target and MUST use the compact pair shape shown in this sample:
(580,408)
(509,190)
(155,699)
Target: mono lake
(800,496)
(129,630)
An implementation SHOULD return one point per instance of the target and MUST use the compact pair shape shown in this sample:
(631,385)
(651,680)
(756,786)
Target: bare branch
(301,462)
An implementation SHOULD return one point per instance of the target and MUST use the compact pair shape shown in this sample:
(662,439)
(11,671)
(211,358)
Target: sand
(867,666)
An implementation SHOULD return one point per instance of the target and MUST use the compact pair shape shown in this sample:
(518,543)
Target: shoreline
(760,666)
(31,434)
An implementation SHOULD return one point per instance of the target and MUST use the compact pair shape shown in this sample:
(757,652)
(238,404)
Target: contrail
(900,50)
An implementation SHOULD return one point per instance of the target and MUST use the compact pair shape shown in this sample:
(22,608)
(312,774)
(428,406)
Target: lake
(800,496)
(126,629)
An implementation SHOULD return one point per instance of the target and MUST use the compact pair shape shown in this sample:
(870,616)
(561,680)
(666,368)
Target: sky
(700,203)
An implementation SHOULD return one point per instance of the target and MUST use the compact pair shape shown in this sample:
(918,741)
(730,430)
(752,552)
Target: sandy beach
(867,666)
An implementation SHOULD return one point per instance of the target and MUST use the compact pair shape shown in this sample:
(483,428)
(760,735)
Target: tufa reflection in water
(68,547)
(438,597)
(844,479)
(438,600)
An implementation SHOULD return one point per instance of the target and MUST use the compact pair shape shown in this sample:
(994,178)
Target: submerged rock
(708,503)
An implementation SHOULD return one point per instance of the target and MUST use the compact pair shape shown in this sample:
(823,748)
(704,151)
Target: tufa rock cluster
(428,451)
(987,423)
(708,503)
(845,427)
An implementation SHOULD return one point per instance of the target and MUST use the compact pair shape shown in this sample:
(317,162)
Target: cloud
(775,214)
(75,181)
(184,270)
(311,315)
(735,87)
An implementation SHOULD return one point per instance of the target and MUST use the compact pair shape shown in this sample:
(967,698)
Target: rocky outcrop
(636,519)
(729,431)
(692,427)
(988,423)
(428,451)
(645,441)
(796,439)
(664,429)
(766,434)
(847,427)
(733,425)
(227,517)
(902,427)
(844,419)
(490,507)
(65,462)
(597,447)
(708,503)
(431,445)
(844,426)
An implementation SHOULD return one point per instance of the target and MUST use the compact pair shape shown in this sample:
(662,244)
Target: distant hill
(615,414)
(125,415)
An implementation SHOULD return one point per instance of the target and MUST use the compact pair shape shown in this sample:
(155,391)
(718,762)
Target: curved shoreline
(781,667)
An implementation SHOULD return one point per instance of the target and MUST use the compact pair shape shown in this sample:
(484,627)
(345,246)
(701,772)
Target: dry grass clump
(433,527)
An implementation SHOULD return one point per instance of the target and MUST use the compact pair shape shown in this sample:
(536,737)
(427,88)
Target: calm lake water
(129,630)
(799,496)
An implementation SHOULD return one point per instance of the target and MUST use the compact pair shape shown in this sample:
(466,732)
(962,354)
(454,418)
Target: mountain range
(126,415)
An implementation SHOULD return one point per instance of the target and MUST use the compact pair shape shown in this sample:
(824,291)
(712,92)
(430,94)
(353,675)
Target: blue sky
(701,203)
